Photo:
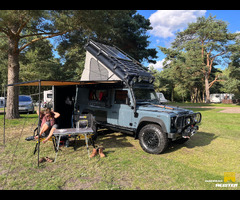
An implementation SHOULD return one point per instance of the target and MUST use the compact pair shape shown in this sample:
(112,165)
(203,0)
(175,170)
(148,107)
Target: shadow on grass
(199,140)
(107,139)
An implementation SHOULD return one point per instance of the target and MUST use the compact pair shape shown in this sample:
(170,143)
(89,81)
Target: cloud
(158,65)
(166,22)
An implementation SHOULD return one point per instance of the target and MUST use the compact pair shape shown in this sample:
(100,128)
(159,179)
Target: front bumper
(185,125)
(25,109)
(186,133)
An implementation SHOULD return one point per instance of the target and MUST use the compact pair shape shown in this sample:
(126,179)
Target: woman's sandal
(48,159)
(44,159)
(41,160)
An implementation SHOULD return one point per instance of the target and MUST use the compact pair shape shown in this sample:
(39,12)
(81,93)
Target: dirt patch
(225,109)
(230,110)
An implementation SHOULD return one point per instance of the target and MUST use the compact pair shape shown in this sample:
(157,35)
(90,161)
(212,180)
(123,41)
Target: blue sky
(166,23)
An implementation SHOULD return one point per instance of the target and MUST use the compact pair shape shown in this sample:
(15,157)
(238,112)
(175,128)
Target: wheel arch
(150,120)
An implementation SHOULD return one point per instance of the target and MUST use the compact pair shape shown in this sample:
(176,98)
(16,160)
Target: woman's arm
(56,114)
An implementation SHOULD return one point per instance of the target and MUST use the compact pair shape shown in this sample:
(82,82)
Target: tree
(22,28)
(211,36)
(124,29)
(25,27)
(232,84)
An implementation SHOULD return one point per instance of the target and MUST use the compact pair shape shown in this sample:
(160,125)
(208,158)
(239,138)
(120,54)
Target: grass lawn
(206,156)
(204,104)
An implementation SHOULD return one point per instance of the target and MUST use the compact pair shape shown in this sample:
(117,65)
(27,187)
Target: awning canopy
(60,83)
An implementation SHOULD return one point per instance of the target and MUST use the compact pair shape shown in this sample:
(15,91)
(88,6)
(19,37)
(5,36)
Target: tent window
(97,71)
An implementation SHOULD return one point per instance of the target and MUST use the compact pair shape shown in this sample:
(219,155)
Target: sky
(166,23)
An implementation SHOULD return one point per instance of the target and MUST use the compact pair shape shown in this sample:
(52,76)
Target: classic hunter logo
(229,180)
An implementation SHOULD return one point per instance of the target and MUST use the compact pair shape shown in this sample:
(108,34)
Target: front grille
(182,121)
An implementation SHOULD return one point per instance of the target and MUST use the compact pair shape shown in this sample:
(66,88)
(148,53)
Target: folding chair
(84,121)
(35,133)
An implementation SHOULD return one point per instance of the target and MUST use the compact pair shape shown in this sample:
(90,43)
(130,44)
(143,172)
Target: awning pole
(39,125)
(4,115)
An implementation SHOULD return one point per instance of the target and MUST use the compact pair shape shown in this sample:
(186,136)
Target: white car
(161,97)
(25,104)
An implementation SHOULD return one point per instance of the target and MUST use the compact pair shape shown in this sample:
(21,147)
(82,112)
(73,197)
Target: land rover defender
(127,101)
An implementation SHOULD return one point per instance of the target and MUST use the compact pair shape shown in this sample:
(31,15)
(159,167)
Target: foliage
(23,28)
(124,29)
(194,53)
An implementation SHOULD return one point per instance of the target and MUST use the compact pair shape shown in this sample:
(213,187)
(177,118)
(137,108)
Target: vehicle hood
(24,103)
(163,108)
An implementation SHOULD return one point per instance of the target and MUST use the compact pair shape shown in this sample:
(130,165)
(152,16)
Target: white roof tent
(104,62)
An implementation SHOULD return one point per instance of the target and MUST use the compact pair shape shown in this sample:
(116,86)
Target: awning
(60,83)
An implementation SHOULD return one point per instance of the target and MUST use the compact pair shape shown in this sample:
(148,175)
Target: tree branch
(41,38)
(22,26)
(215,80)
(37,34)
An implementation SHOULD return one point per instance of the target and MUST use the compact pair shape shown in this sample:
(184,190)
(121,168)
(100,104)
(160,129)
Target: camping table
(58,133)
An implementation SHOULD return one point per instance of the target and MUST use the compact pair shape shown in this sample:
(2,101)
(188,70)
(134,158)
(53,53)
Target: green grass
(206,156)
(204,104)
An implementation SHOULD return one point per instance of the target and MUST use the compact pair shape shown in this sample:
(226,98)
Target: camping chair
(35,133)
(84,121)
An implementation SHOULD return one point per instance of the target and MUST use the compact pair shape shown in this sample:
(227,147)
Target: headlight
(188,121)
(197,117)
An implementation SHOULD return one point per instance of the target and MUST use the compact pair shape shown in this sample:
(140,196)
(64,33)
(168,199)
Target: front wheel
(152,139)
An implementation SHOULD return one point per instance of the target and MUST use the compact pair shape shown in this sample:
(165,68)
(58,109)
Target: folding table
(58,133)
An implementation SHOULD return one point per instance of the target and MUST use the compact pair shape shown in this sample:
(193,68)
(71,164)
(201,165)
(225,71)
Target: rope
(14,153)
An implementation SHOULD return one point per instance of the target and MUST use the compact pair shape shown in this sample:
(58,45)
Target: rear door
(64,97)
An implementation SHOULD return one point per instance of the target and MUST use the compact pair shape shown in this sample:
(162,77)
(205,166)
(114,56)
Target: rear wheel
(152,139)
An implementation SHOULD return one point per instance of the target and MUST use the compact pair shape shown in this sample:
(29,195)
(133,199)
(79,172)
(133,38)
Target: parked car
(2,101)
(25,104)
(161,97)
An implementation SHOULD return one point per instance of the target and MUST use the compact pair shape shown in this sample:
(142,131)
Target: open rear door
(64,98)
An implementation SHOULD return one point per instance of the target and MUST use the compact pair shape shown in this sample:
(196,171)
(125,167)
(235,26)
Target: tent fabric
(58,83)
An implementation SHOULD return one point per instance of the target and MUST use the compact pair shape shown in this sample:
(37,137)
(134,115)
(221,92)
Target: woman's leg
(51,133)
(43,129)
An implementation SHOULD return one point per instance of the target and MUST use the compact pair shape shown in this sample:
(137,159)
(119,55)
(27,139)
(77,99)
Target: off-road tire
(152,139)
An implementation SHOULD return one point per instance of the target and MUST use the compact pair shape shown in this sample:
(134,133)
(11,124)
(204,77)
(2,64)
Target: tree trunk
(13,74)
(207,90)
(172,94)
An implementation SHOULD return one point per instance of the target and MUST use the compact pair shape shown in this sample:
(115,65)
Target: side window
(98,95)
(121,97)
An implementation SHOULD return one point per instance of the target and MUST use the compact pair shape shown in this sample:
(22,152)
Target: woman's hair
(49,112)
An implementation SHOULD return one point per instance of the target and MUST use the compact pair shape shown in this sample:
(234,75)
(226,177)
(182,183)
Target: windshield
(25,98)
(145,95)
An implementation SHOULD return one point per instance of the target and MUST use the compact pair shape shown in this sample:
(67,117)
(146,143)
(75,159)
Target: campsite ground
(193,165)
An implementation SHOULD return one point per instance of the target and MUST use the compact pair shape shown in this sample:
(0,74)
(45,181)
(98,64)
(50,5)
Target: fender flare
(151,120)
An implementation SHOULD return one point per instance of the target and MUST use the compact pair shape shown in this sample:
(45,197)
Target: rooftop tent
(104,62)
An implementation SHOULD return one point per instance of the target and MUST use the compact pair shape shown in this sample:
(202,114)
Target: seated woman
(48,124)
